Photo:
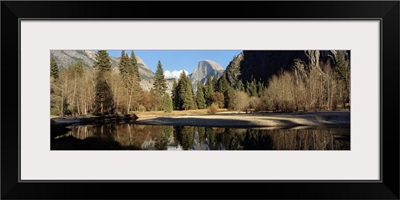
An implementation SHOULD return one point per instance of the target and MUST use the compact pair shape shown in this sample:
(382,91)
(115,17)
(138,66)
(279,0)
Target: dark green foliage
(102,62)
(77,69)
(240,86)
(104,101)
(160,84)
(209,91)
(229,95)
(183,94)
(342,70)
(188,102)
(53,68)
(135,65)
(215,81)
(222,84)
(260,88)
(167,103)
(184,136)
(201,101)
(125,65)
(175,97)
(251,87)
(342,67)
(232,71)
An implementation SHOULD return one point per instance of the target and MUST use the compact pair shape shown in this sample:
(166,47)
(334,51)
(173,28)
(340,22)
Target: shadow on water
(148,137)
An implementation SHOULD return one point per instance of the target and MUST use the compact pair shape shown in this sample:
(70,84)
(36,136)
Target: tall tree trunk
(130,99)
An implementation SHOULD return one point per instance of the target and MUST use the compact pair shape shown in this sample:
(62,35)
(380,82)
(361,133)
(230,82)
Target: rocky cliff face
(205,68)
(262,65)
(65,58)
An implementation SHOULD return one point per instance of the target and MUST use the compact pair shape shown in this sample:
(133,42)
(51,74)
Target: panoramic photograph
(200,100)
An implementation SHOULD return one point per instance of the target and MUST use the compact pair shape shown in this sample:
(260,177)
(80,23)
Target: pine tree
(209,91)
(240,86)
(160,84)
(78,68)
(102,62)
(215,81)
(260,88)
(251,87)
(201,102)
(104,101)
(184,93)
(229,95)
(135,65)
(175,98)
(53,68)
(167,103)
(222,84)
(342,70)
(188,103)
(123,64)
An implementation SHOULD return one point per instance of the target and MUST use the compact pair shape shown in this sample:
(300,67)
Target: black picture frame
(13,11)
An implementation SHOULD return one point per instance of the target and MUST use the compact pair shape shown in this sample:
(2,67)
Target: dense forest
(102,90)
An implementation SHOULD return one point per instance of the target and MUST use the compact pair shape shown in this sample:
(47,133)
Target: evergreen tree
(215,81)
(184,93)
(175,98)
(53,68)
(135,65)
(102,63)
(201,102)
(160,84)
(342,70)
(104,101)
(229,95)
(342,66)
(124,65)
(209,91)
(260,88)
(77,69)
(131,85)
(167,103)
(188,102)
(222,84)
(251,87)
(240,86)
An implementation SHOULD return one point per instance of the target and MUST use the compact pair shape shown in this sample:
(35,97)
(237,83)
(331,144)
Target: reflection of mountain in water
(144,137)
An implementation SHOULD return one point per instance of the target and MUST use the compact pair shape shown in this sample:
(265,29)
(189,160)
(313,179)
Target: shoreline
(242,120)
(230,119)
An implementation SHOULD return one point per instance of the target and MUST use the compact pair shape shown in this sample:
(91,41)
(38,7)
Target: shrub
(212,109)
(142,108)
(240,101)
(255,103)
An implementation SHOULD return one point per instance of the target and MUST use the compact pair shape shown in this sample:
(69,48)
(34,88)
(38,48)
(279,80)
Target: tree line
(308,86)
(100,90)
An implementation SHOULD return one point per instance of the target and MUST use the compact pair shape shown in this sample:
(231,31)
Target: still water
(147,137)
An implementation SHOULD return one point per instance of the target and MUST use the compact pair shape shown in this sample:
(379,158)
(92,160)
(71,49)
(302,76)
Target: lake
(149,137)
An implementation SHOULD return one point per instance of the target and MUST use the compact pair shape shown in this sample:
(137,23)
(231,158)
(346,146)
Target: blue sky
(175,60)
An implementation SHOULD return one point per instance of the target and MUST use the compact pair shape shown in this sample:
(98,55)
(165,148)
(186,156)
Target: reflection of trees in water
(184,135)
(252,139)
(128,135)
(305,139)
(131,136)
(299,139)
(163,139)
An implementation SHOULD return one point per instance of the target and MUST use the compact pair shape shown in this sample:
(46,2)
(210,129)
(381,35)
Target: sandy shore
(234,119)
